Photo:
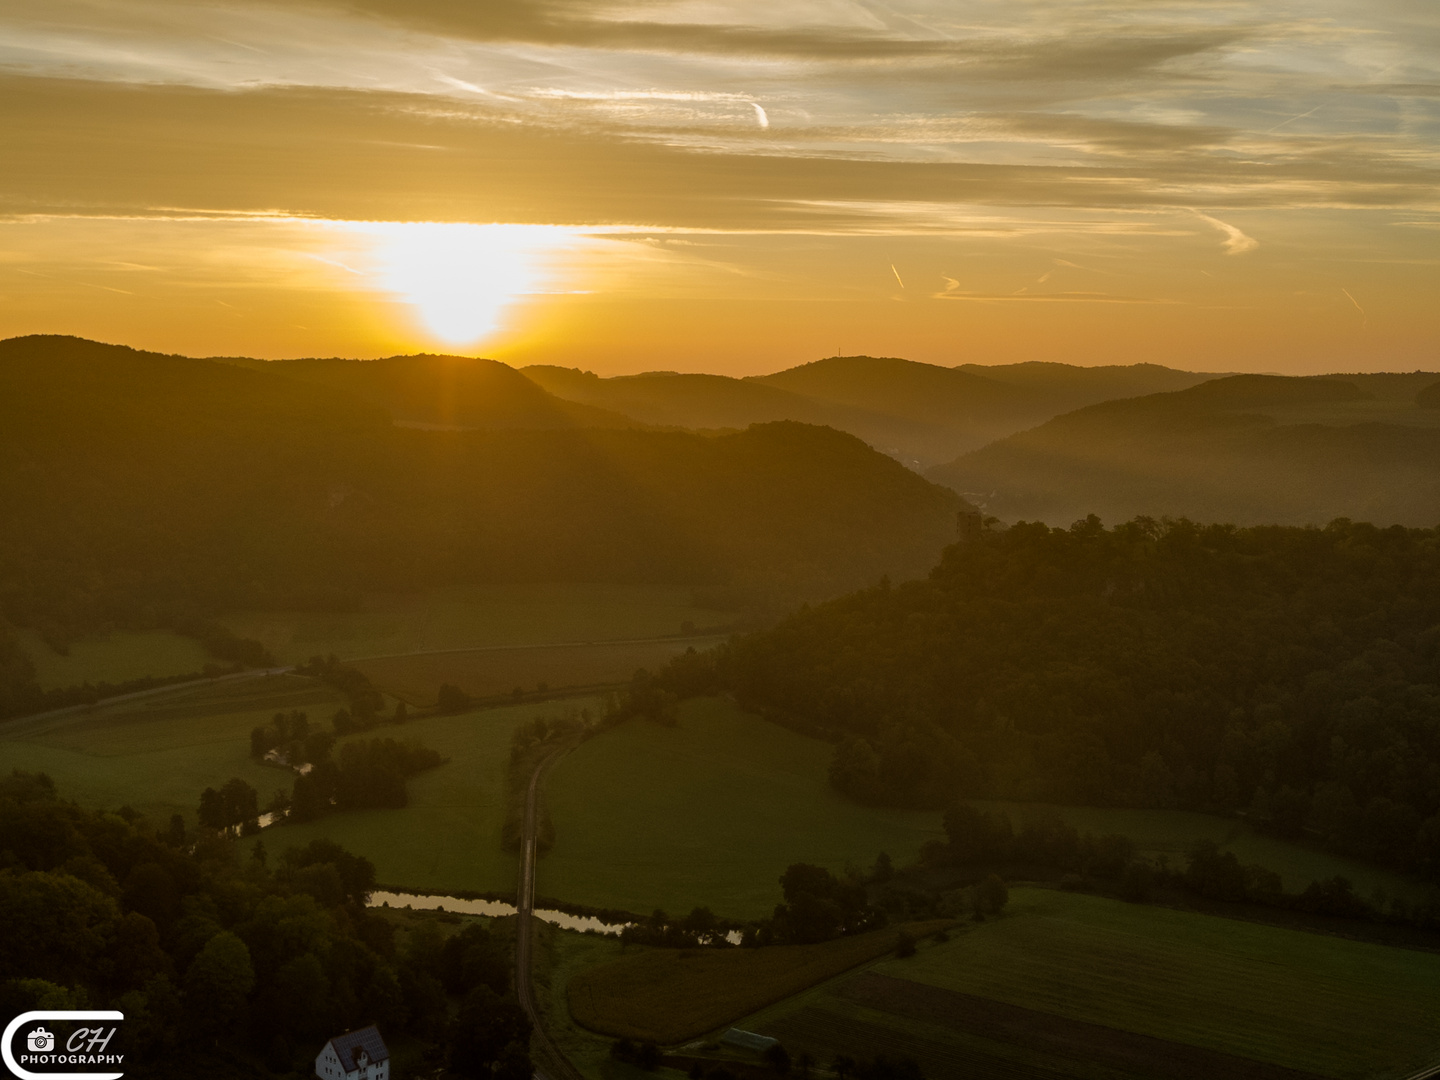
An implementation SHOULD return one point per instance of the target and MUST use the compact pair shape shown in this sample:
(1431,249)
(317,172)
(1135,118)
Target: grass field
(448,838)
(114,658)
(561,955)
(666,996)
(157,754)
(477,617)
(709,812)
(491,672)
(1171,832)
(1308,1002)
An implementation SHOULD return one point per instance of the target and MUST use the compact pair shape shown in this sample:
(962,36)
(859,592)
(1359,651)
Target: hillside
(1246,448)
(921,414)
(672,399)
(447,392)
(1286,671)
(1076,387)
(141,487)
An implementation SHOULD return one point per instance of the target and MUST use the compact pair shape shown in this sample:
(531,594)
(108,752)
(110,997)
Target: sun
(460,278)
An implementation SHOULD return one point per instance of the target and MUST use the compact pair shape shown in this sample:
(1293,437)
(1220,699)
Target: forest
(1287,674)
(148,491)
(223,965)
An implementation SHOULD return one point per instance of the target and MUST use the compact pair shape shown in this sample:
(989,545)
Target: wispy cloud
(1236,242)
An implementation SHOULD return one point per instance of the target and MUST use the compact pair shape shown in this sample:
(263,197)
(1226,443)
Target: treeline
(1291,675)
(221,963)
(818,906)
(21,694)
(364,774)
(981,841)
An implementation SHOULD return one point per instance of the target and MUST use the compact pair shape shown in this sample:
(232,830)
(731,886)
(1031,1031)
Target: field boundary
(155,691)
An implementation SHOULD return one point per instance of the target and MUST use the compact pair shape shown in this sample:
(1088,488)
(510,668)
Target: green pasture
(158,753)
(494,672)
(709,812)
(1307,1001)
(447,839)
(114,658)
(477,617)
(1170,833)
(560,956)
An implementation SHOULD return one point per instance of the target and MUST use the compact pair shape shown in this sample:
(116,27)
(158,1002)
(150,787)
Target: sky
(728,185)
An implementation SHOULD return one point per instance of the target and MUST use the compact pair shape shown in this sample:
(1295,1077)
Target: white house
(356,1055)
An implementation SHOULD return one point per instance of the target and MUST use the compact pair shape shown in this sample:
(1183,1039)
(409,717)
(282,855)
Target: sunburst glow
(461,278)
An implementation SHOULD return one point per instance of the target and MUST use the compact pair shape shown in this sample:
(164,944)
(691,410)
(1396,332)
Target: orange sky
(728,186)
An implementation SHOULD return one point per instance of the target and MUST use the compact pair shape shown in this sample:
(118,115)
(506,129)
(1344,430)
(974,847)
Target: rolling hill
(920,414)
(138,486)
(457,392)
(1247,449)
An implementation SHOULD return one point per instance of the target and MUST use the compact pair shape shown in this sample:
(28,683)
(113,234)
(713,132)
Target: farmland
(158,753)
(448,838)
(669,995)
(1035,993)
(477,617)
(709,812)
(114,658)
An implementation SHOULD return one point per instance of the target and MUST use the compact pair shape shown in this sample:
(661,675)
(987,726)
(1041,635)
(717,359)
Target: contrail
(897,275)
(1292,119)
(760,115)
(1357,307)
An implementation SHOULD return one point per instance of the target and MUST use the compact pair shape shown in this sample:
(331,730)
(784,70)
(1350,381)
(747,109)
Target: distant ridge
(920,414)
(447,391)
(1248,449)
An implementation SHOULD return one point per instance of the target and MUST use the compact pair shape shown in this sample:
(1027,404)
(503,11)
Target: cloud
(1236,242)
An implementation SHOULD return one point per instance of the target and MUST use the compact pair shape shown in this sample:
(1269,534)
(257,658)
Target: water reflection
(495,909)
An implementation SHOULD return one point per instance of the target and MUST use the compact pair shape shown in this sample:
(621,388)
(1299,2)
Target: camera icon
(40,1041)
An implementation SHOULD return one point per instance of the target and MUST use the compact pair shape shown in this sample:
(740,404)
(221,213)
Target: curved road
(550,1062)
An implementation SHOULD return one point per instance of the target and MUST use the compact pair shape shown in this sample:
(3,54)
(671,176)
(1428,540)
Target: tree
(217,984)
(451,699)
(991,895)
(778,1058)
(485,1028)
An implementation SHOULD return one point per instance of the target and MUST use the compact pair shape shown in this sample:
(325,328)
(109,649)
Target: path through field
(551,1063)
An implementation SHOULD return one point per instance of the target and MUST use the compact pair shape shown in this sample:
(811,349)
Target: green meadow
(158,753)
(1311,1002)
(448,838)
(708,812)
(477,617)
(114,658)
(1308,1001)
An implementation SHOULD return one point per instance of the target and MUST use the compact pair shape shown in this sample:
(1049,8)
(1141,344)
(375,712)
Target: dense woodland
(145,490)
(1290,674)
(231,967)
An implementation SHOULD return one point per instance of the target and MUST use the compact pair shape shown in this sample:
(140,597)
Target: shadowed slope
(449,391)
(1248,449)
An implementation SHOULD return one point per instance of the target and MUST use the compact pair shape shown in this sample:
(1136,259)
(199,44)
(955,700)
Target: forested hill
(1247,448)
(922,414)
(139,486)
(447,391)
(1288,672)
